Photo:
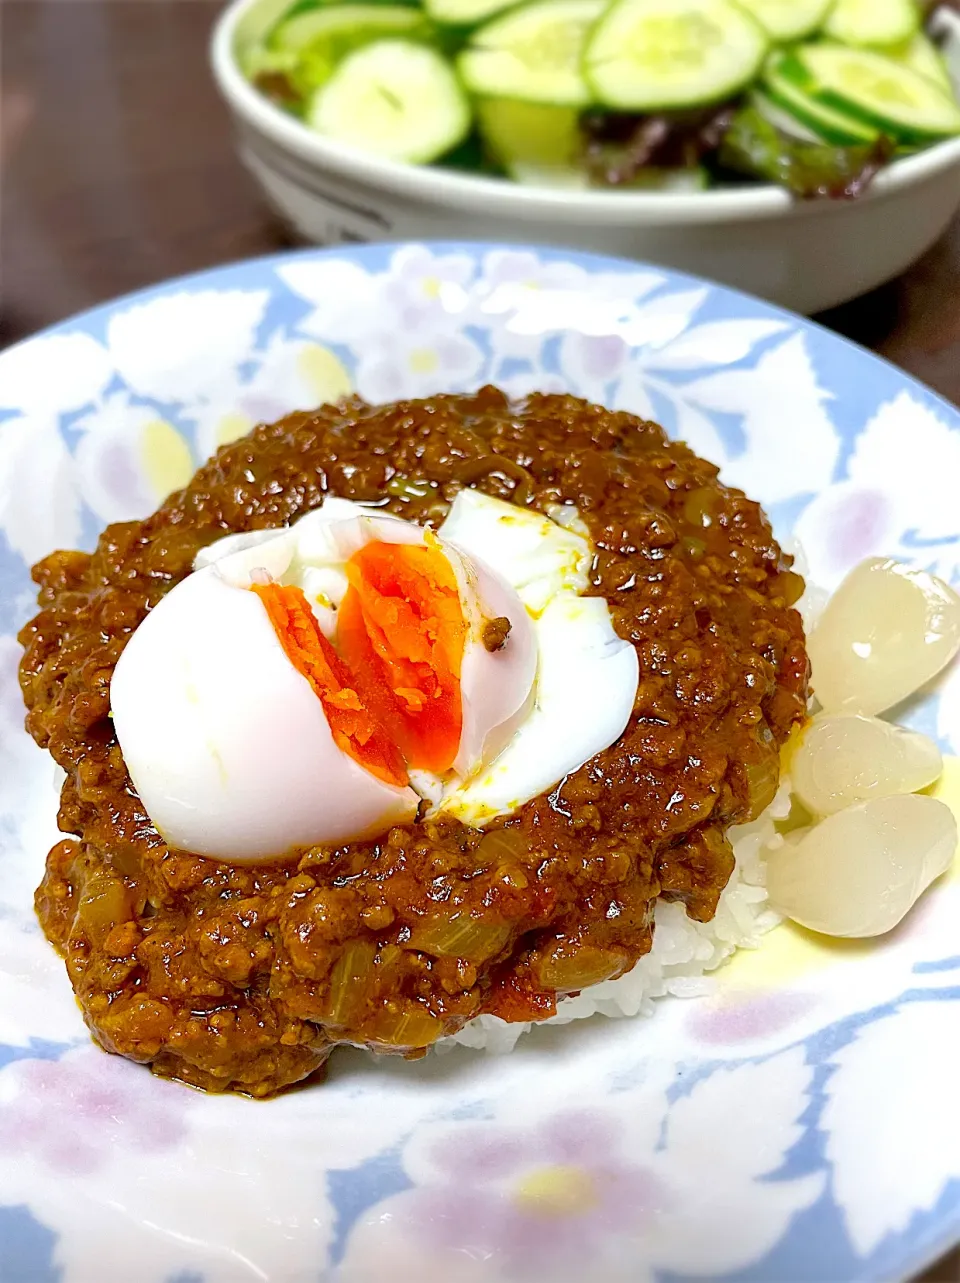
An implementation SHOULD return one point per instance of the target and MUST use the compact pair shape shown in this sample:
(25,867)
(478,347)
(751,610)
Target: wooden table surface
(117,170)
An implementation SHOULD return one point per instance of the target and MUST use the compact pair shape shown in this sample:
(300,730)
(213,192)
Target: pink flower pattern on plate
(746,1017)
(71,1113)
(534,1199)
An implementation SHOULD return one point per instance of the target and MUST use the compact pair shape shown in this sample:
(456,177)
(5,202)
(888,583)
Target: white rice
(683,950)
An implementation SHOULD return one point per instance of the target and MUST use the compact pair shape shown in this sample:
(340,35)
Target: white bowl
(806,255)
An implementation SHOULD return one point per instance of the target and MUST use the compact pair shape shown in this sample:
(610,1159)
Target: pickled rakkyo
(885,632)
(845,759)
(859,872)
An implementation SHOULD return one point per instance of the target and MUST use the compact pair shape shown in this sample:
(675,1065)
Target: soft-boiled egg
(323,682)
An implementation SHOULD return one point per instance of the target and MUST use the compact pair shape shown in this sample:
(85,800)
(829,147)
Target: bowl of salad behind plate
(802,150)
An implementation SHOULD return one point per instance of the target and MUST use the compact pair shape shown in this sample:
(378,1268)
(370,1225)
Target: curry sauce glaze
(245,977)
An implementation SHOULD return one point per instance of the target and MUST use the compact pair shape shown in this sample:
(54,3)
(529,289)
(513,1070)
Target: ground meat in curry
(245,977)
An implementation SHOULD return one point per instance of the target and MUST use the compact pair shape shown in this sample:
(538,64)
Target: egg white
(226,743)
(538,556)
(587,676)
(586,684)
(495,687)
(230,748)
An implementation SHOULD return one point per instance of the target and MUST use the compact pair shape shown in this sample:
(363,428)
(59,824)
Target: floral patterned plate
(798,1121)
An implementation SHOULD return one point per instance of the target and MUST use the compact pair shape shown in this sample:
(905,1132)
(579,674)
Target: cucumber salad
(659,95)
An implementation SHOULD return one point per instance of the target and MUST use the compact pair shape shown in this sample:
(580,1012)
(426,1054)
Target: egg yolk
(401,632)
(391,688)
(353,727)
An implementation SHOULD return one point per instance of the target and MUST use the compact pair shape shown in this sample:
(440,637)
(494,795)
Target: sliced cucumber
(827,123)
(534,143)
(785,20)
(307,6)
(301,6)
(648,55)
(534,54)
(873,22)
(396,99)
(465,13)
(875,89)
(343,27)
(257,60)
(319,39)
(923,56)
(529,133)
(788,122)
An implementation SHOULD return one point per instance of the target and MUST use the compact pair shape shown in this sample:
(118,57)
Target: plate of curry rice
(479,734)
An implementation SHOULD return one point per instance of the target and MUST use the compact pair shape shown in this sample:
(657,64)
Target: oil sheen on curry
(397,716)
